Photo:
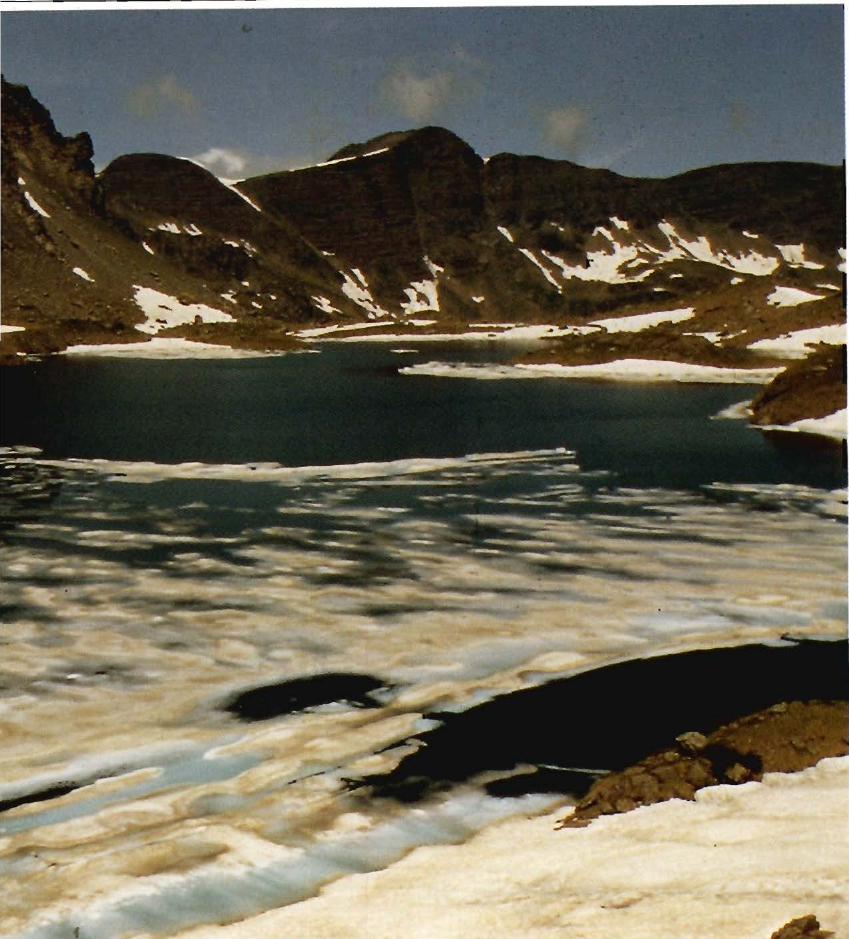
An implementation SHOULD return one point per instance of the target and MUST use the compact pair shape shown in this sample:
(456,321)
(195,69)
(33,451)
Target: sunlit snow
(726,865)
(546,272)
(506,233)
(795,345)
(164,348)
(166,312)
(640,321)
(148,248)
(81,273)
(791,296)
(34,205)
(834,426)
(794,255)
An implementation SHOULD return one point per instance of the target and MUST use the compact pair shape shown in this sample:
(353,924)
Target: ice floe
(647,370)
(166,312)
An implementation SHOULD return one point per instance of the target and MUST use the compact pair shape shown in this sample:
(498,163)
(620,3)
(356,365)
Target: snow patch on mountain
(231,185)
(791,296)
(546,272)
(794,255)
(640,321)
(166,312)
(35,206)
(81,273)
(360,294)
(795,345)
(700,250)
(506,233)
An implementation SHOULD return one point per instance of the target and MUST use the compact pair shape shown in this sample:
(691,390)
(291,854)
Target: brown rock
(805,927)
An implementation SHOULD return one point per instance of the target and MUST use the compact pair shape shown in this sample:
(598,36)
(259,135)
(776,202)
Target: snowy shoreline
(726,865)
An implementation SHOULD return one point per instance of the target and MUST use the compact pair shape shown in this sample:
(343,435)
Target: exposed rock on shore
(812,388)
(786,737)
(805,927)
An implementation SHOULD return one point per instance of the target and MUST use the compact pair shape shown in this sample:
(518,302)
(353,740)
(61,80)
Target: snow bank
(647,370)
(834,426)
(633,324)
(795,345)
(726,866)
(791,296)
(159,348)
(166,312)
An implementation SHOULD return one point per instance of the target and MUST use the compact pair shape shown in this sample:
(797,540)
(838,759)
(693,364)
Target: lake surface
(188,530)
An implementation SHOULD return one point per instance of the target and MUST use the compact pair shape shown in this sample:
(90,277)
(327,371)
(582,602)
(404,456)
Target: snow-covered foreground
(618,370)
(736,864)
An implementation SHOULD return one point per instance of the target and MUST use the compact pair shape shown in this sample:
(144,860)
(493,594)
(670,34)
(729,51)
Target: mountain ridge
(411,230)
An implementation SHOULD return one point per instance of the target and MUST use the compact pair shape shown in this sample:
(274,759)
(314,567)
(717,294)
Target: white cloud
(565,126)
(416,96)
(221,162)
(237,163)
(162,95)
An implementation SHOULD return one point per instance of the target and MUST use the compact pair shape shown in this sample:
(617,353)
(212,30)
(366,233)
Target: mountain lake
(369,549)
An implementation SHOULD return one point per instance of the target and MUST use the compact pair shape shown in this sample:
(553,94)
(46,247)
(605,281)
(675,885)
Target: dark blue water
(348,404)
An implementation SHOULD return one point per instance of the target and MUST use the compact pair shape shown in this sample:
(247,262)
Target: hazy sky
(642,90)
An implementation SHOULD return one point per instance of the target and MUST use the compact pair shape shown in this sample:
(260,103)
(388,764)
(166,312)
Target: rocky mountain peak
(31,142)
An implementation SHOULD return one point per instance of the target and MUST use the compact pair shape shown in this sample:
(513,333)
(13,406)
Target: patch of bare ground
(786,737)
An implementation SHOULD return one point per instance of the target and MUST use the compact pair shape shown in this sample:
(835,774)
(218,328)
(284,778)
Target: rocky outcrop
(812,388)
(786,737)
(805,927)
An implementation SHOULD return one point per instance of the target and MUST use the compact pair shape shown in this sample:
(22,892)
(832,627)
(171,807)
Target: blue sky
(642,90)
